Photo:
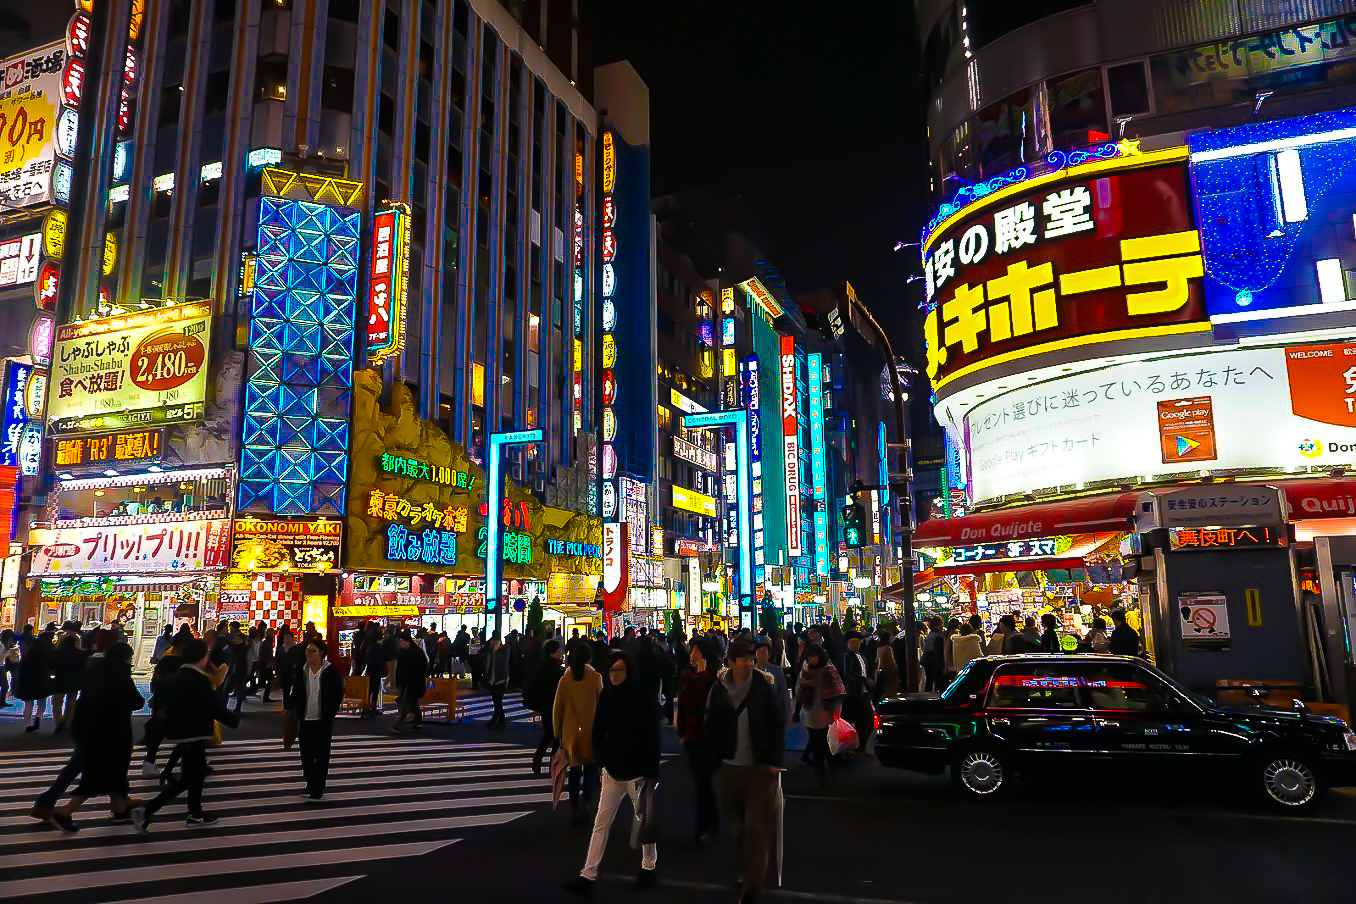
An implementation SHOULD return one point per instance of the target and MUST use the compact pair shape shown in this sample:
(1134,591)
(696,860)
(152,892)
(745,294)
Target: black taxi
(1022,715)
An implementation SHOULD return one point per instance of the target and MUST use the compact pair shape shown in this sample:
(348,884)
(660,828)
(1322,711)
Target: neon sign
(818,465)
(387,298)
(791,447)
(609,242)
(422,470)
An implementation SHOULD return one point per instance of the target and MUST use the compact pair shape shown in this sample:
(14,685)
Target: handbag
(216,735)
(289,729)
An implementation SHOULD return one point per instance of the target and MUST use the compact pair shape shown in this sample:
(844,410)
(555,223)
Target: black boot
(644,880)
(34,727)
(579,886)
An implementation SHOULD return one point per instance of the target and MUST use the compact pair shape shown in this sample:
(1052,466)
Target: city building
(1139,319)
(233,188)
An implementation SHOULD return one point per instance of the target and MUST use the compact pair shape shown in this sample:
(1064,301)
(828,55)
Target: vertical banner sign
(577,393)
(16,412)
(752,399)
(388,294)
(791,447)
(611,507)
(616,565)
(818,464)
(30,103)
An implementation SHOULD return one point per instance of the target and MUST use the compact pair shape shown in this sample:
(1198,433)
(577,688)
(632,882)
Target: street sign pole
(494,518)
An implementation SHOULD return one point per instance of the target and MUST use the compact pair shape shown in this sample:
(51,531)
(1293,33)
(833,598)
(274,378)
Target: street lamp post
(494,517)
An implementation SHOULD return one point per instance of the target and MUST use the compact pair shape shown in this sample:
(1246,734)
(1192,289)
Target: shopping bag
(560,766)
(216,735)
(842,736)
(289,729)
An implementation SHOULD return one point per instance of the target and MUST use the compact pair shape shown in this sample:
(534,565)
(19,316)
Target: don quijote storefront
(137,526)
(417,536)
(1127,367)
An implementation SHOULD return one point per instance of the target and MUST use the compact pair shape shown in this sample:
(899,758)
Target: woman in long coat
(102,730)
(33,683)
(572,718)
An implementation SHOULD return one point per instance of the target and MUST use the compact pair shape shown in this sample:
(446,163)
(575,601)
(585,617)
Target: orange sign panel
(1323,383)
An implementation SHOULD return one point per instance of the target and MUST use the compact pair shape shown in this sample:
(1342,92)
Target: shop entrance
(1335,612)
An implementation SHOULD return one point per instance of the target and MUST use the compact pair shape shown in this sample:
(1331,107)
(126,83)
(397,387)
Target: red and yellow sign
(1186,429)
(269,546)
(386,299)
(1101,252)
(110,448)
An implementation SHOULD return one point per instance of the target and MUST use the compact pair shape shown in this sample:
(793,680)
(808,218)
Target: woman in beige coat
(572,716)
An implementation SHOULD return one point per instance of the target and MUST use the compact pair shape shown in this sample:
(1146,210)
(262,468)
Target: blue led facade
(1260,252)
(298,386)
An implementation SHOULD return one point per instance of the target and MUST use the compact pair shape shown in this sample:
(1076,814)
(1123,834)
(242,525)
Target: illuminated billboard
(1282,409)
(30,102)
(133,370)
(1275,202)
(790,446)
(386,297)
(1102,252)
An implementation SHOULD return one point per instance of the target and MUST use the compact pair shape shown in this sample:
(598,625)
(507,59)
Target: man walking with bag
(316,697)
(746,729)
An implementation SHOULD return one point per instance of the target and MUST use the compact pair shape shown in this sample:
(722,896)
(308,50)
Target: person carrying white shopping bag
(626,745)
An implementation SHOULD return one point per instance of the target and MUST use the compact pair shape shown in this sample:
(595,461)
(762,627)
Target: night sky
(809,111)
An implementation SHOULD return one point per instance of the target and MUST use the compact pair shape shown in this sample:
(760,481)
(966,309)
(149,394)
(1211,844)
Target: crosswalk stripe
(240,748)
(116,878)
(250,894)
(204,841)
(361,790)
(445,761)
(308,813)
(352,754)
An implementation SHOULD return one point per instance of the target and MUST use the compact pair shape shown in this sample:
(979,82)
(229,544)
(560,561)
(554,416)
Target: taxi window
(1023,685)
(1128,689)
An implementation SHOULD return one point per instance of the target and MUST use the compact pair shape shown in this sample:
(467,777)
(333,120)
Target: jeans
(608,802)
(191,779)
(154,734)
(30,705)
(746,794)
(497,692)
(582,782)
(74,766)
(314,738)
(700,767)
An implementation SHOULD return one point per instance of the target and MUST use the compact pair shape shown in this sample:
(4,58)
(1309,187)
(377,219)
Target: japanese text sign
(30,101)
(16,417)
(389,285)
(129,371)
(109,448)
(131,548)
(1105,251)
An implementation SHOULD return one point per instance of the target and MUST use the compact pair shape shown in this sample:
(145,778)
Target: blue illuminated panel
(1273,200)
(294,455)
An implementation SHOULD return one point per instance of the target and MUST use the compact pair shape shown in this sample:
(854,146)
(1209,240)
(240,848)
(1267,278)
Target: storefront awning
(1324,497)
(1100,514)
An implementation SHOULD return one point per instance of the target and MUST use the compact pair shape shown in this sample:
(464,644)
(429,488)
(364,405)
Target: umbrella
(559,767)
(778,812)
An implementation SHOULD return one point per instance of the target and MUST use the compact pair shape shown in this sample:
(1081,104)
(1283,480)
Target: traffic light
(854,525)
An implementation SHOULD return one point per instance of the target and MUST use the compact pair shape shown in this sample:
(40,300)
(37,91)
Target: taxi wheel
(1287,780)
(981,771)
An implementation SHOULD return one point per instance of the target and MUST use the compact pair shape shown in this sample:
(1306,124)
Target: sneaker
(201,819)
(644,879)
(579,886)
(417,726)
(121,819)
(63,822)
(141,818)
(149,769)
(395,729)
(314,798)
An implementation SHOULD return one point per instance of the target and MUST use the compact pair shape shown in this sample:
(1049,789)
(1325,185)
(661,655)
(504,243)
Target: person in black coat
(626,744)
(316,695)
(68,668)
(192,704)
(239,659)
(102,730)
(601,652)
(411,681)
(33,683)
(161,678)
(540,697)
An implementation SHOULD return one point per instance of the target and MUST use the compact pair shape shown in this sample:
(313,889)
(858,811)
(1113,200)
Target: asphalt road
(455,811)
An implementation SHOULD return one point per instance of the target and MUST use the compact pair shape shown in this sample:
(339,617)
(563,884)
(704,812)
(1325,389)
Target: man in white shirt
(315,702)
